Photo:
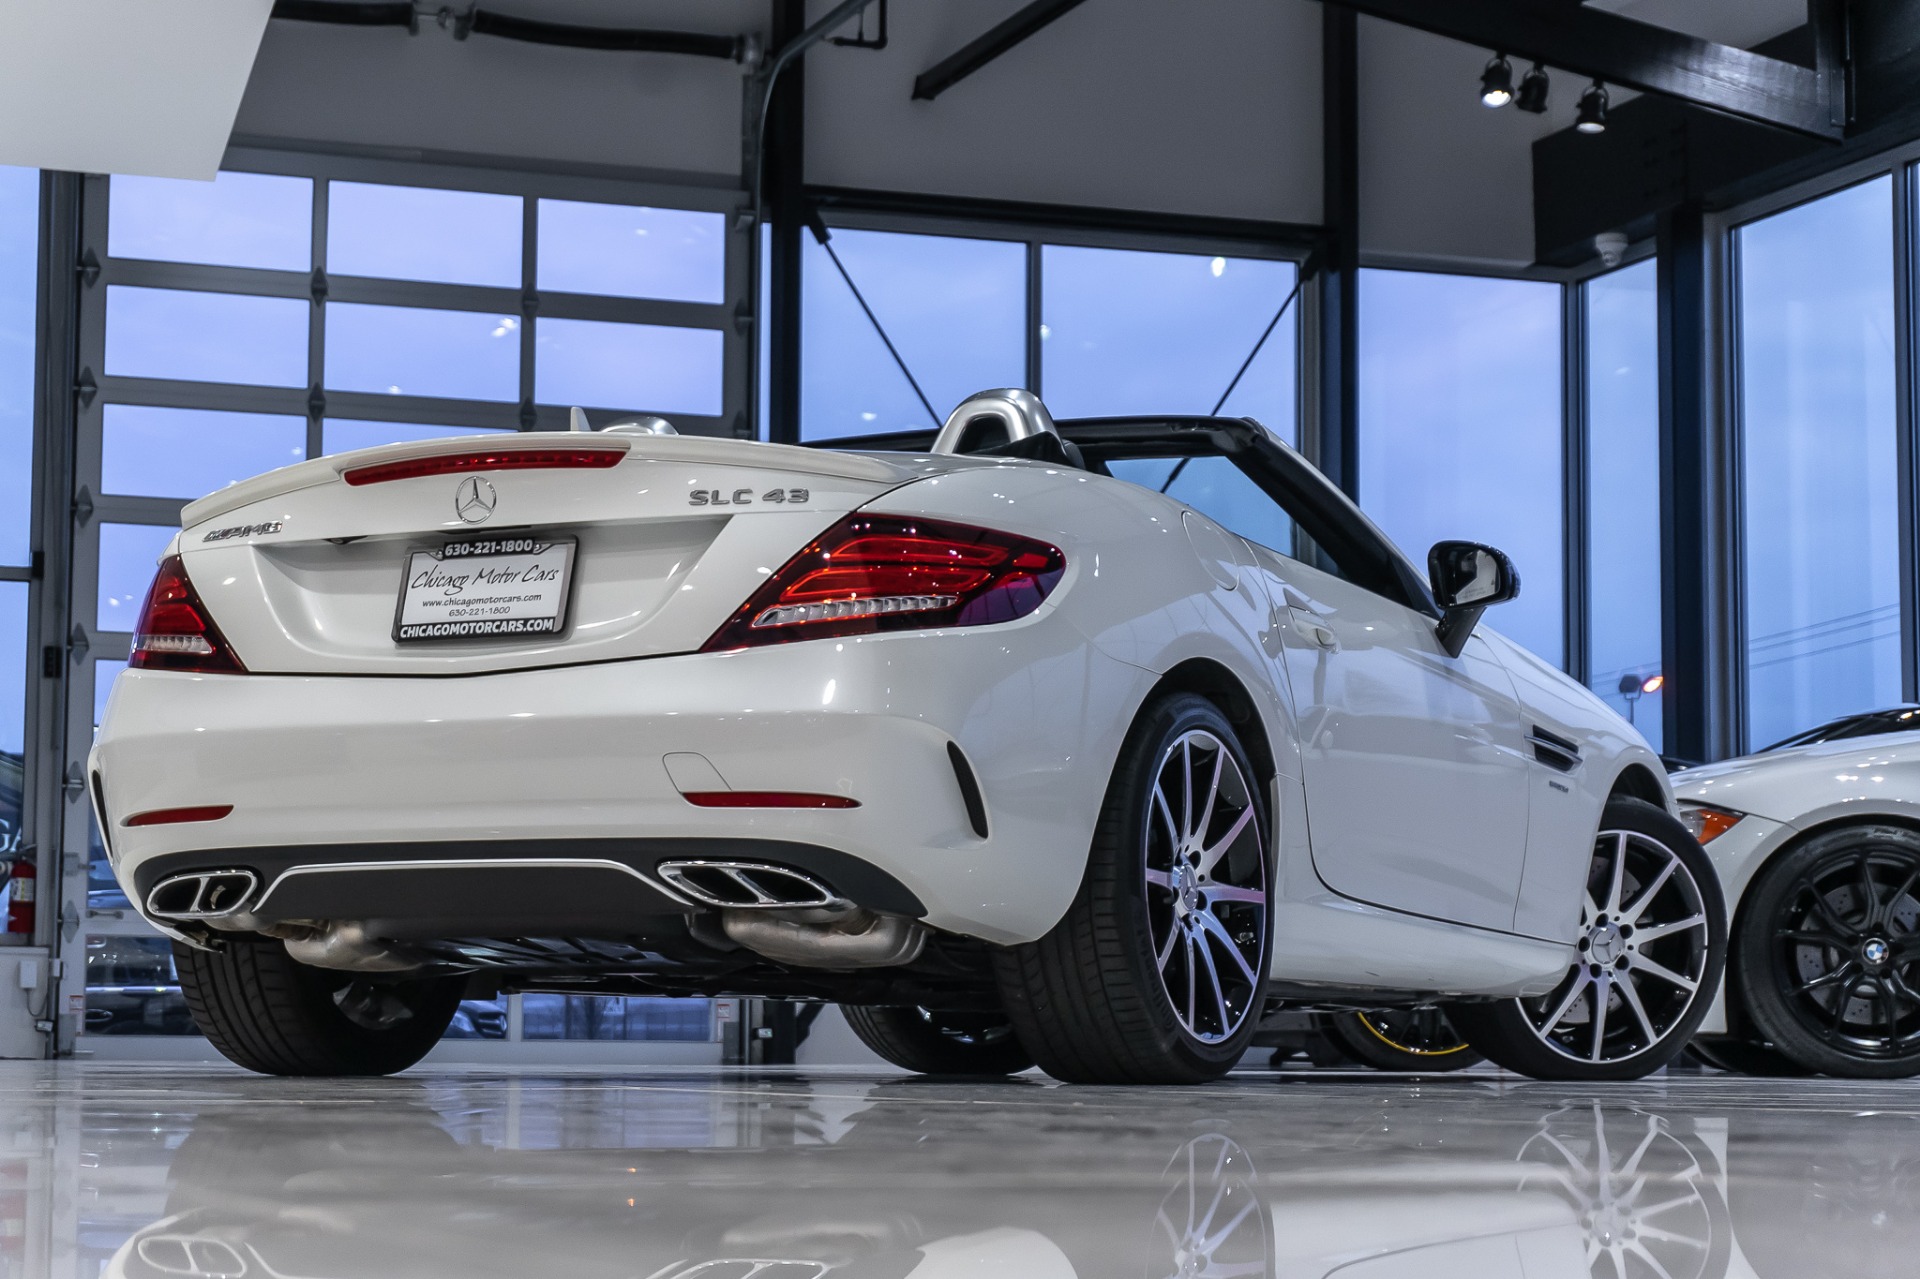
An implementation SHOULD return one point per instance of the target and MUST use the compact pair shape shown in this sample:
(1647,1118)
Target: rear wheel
(1829,955)
(1406,1039)
(940,1043)
(1649,953)
(1158,971)
(266,1012)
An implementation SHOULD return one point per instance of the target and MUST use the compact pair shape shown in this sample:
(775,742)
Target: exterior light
(1593,109)
(1533,91)
(1496,82)
(1653,683)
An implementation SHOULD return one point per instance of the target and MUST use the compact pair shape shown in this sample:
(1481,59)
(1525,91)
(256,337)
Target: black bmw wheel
(1404,1039)
(1647,958)
(1829,953)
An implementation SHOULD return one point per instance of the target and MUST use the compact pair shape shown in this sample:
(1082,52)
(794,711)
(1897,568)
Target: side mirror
(1467,579)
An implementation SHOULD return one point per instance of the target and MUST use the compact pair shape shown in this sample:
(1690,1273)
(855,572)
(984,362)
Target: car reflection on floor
(783,1177)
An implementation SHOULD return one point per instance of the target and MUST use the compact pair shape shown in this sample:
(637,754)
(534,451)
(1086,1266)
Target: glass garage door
(232,327)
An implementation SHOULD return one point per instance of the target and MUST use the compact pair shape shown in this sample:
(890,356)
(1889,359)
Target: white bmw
(995,738)
(1817,841)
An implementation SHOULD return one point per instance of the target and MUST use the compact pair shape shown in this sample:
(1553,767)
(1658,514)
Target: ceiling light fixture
(1533,91)
(1496,82)
(1593,109)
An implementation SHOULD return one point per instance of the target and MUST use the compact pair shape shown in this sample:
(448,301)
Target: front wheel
(931,1042)
(1648,958)
(270,1013)
(1158,972)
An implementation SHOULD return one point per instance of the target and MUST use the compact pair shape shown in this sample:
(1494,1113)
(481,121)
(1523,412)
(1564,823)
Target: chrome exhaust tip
(202,894)
(749,886)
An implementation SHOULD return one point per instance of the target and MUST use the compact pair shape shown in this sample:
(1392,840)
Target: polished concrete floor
(165,1172)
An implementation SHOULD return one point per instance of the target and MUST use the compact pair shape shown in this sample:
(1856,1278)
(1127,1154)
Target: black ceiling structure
(949,71)
(1805,99)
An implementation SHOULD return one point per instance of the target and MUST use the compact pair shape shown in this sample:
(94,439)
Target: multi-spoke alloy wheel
(1206,876)
(1647,957)
(1158,970)
(1830,952)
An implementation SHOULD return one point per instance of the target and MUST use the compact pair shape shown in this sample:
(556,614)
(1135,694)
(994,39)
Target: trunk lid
(303,568)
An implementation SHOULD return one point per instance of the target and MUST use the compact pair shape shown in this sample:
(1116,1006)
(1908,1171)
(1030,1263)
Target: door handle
(1315,629)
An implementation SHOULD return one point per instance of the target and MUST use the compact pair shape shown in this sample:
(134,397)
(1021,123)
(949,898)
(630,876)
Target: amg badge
(242,530)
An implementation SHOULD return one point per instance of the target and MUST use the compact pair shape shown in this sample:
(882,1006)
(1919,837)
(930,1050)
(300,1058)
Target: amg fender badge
(243,530)
(474,499)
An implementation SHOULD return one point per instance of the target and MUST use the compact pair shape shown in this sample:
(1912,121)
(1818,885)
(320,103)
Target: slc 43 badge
(744,497)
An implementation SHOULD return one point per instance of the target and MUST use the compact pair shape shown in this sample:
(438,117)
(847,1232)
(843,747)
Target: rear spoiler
(666,448)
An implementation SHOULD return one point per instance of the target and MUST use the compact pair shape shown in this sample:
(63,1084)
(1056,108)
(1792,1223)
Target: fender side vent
(1554,751)
(969,789)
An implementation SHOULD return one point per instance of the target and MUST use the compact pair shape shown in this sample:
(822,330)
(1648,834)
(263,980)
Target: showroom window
(954,309)
(899,327)
(231,327)
(1623,494)
(19,272)
(1460,422)
(1818,434)
(1125,331)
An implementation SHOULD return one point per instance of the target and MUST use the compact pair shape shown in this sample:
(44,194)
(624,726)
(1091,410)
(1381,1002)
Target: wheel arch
(1637,781)
(1208,678)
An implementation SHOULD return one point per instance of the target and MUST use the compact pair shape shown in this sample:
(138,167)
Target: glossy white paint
(1420,845)
(1787,794)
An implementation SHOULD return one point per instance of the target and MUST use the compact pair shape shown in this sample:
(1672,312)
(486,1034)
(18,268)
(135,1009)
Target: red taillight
(174,632)
(765,799)
(873,573)
(491,460)
(172,816)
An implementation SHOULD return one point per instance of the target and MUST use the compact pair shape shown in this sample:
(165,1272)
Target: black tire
(940,1043)
(1616,974)
(1090,1000)
(266,1012)
(1805,967)
(1401,1039)
(1739,1056)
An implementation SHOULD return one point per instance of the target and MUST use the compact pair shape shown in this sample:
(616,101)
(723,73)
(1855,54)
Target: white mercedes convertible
(1082,745)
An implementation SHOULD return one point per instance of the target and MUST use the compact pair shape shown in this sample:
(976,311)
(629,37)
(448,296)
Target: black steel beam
(946,73)
(1338,440)
(786,208)
(385,13)
(1687,621)
(1635,55)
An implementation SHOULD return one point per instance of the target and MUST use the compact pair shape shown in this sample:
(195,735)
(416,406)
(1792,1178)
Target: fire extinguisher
(20,897)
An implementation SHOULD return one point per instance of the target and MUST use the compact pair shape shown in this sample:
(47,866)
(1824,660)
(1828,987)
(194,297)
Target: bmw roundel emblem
(475,499)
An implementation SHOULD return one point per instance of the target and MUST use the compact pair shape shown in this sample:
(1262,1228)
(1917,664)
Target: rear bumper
(535,766)
(506,887)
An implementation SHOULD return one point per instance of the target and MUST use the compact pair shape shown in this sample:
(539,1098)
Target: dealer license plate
(486,588)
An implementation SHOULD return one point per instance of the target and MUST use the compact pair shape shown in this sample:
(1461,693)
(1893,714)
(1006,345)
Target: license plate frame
(507,620)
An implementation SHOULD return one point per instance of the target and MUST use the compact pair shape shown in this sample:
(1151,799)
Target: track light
(1593,109)
(1496,82)
(1533,90)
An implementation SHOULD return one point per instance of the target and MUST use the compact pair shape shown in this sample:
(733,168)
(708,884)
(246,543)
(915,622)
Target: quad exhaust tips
(749,886)
(202,894)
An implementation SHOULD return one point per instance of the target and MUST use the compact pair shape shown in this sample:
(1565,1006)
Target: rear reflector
(174,816)
(175,633)
(873,573)
(766,799)
(489,460)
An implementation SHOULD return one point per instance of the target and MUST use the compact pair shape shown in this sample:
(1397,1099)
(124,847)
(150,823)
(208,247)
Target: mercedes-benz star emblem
(475,499)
